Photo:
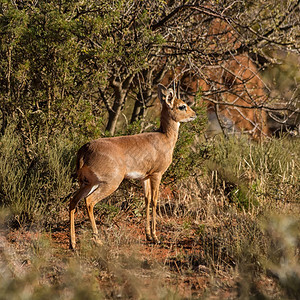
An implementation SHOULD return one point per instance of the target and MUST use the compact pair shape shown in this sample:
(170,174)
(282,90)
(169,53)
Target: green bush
(188,153)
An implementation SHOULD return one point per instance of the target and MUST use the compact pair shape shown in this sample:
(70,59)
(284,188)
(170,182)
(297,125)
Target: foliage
(72,66)
(66,72)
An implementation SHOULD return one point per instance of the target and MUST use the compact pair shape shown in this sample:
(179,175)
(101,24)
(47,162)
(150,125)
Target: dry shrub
(224,210)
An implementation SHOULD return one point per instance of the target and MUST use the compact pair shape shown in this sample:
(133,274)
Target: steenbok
(102,164)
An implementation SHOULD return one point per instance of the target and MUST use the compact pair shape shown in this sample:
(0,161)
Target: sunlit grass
(234,216)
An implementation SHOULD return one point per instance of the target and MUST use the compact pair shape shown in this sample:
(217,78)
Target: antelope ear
(166,95)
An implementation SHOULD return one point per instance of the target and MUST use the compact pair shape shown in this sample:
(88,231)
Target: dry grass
(231,229)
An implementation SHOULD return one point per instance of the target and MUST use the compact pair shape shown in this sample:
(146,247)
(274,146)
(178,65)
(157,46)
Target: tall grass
(269,170)
(35,179)
(227,207)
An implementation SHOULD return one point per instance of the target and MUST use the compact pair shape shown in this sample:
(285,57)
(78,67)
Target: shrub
(188,153)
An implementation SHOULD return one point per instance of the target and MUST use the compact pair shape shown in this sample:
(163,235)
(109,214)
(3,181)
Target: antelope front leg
(155,181)
(147,190)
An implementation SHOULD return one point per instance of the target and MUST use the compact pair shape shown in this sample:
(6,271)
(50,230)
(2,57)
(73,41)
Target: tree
(73,65)
(224,46)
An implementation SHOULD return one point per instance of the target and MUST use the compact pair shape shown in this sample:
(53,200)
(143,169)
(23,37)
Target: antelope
(102,164)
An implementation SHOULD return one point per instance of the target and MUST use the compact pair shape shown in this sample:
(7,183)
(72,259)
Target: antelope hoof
(97,241)
(155,240)
(149,237)
(72,246)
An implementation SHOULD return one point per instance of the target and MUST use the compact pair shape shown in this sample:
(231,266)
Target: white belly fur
(135,175)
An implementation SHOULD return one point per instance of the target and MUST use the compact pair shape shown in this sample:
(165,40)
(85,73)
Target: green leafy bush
(188,153)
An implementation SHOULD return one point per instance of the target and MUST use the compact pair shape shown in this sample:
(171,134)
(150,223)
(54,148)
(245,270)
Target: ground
(127,266)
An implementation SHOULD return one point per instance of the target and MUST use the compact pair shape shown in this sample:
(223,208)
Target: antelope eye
(182,107)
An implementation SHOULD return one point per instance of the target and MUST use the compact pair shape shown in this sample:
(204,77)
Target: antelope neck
(168,126)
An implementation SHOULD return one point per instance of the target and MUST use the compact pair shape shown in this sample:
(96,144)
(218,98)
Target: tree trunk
(137,111)
(113,116)
(121,90)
